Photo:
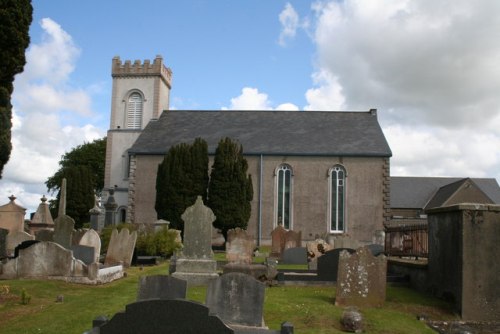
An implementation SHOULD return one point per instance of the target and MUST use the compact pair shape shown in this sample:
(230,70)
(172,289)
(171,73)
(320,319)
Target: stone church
(313,171)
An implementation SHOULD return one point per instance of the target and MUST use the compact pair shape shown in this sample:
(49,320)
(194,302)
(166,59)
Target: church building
(318,172)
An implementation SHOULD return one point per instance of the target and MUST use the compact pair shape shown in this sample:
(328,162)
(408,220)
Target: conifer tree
(15,20)
(181,177)
(230,189)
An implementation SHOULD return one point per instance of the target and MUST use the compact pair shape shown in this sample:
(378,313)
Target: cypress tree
(230,189)
(182,176)
(15,20)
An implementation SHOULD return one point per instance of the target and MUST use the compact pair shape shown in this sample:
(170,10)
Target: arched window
(337,180)
(122,215)
(284,196)
(134,111)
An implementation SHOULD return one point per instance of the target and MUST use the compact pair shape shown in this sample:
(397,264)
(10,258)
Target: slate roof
(416,192)
(314,133)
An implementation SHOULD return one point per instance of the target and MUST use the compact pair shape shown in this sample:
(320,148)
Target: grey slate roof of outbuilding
(317,133)
(415,192)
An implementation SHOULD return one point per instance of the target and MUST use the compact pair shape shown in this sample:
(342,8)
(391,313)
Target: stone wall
(367,194)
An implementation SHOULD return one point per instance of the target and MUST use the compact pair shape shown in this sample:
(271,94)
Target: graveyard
(57,281)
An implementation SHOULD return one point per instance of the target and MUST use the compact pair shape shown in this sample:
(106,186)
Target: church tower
(141,91)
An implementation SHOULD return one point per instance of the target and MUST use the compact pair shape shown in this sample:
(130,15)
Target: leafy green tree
(83,169)
(15,20)
(79,194)
(181,177)
(230,189)
(91,155)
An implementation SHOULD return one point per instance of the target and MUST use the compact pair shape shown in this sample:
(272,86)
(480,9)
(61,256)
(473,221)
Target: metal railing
(404,240)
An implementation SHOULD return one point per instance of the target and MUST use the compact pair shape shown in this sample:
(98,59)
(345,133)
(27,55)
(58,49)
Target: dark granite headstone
(24,245)
(86,254)
(295,255)
(3,242)
(63,231)
(328,264)
(155,316)
(161,287)
(376,249)
(237,299)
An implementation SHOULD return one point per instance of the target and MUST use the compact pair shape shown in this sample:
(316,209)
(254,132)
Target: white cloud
(431,68)
(290,22)
(252,99)
(44,110)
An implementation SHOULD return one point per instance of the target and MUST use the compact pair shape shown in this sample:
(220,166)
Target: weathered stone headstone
(277,241)
(345,241)
(121,247)
(239,246)
(63,231)
(237,299)
(293,239)
(195,262)
(3,242)
(295,255)
(361,279)
(14,238)
(328,264)
(161,287)
(97,215)
(315,249)
(86,254)
(44,235)
(91,239)
(155,316)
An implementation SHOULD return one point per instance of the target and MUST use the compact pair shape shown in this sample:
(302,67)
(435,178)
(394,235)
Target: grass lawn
(310,308)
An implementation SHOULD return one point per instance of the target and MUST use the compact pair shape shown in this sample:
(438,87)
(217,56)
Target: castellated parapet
(127,69)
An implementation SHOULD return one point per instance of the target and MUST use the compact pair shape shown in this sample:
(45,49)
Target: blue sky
(430,67)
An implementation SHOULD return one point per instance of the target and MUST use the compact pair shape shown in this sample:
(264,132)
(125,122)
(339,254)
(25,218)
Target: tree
(83,169)
(15,20)
(181,177)
(91,155)
(230,189)
(79,194)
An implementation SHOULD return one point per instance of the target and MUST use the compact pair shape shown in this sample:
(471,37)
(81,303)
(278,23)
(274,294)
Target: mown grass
(310,308)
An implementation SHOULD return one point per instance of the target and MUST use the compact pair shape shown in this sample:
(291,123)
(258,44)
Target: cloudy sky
(430,67)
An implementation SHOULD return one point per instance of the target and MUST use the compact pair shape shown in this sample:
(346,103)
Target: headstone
(328,264)
(315,249)
(295,255)
(161,287)
(277,241)
(155,316)
(239,246)
(44,235)
(91,238)
(237,299)
(376,249)
(23,245)
(63,231)
(361,279)
(86,254)
(97,215)
(121,247)
(3,242)
(293,239)
(110,207)
(195,262)
(14,238)
(379,237)
(345,241)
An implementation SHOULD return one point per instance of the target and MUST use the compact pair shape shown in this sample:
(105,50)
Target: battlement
(127,69)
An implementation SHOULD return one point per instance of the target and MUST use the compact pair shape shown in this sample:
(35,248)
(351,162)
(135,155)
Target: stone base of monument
(195,271)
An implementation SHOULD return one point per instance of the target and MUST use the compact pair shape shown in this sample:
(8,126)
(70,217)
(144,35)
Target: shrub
(157,243)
